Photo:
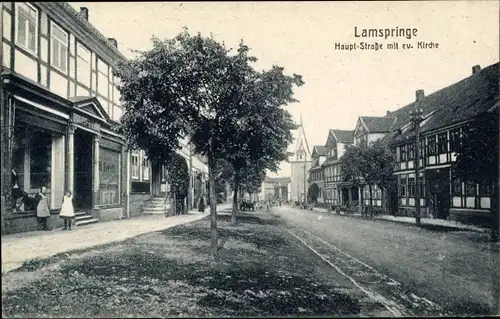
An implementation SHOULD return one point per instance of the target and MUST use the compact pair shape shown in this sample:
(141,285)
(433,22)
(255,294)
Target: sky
(340,85)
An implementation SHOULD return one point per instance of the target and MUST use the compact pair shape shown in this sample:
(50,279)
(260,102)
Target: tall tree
(265,130)
(477,159)
(189,86)
(368,163)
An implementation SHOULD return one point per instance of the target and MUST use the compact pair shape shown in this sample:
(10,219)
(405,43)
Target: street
(423,271)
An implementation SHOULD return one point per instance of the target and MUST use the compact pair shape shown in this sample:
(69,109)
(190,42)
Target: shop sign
(85,122)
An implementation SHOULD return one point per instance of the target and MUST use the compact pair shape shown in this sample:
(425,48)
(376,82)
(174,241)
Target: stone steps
(83,218)
(154,206)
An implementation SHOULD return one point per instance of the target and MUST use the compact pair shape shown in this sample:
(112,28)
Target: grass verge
(262,271)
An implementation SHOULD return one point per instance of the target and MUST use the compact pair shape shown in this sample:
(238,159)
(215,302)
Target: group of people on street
(67,212)
(40,202)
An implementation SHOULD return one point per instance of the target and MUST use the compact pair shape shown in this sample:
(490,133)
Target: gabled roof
(375,124)
(319,150)
(456,103)
(343,136)
(90,106)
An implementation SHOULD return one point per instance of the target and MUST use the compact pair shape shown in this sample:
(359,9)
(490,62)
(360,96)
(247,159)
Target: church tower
(300,162)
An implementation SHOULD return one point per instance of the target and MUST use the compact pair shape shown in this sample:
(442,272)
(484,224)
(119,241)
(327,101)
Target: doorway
(82,198)
(439,192)
(345,196)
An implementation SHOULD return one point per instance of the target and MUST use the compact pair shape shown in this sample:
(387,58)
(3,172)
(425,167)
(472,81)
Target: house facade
(59,107)
(316,180)
(370,129)
(337,191)
(447,114)
(60,103)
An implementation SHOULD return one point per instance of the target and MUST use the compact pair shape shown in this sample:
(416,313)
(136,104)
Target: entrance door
(439,189)
(345,196)
(83,170)
(442,205)
(355,193)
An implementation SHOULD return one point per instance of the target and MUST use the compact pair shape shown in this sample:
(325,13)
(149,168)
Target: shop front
(60,145)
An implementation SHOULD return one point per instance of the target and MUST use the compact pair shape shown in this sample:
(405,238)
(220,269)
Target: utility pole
(190,184)
(416,117)
(305,194)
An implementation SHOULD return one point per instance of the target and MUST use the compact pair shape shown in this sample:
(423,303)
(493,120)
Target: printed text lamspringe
(385,33)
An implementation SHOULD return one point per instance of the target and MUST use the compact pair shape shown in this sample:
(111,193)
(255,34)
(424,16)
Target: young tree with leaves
(187,86)
(477,159)
(371,164)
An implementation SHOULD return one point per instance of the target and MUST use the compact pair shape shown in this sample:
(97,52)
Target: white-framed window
(59,42)
(83,65)
(102,78)
(27,27)
(134,161)
(145,168)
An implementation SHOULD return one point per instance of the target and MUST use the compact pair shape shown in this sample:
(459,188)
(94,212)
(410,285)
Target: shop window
(40,159)
(19,148)
(26,27)
(109,177)
(59,42)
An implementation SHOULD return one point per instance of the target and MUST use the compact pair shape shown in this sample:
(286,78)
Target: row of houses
(446,114)
(59,105)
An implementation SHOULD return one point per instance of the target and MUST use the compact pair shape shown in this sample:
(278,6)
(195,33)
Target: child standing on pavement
(67,211)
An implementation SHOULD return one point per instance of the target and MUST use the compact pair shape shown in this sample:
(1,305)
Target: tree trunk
(213,207)
(235,198)
(371,199)
(494,208)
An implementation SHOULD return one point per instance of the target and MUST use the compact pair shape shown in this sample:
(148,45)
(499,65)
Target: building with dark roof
(446,114)
(60,103)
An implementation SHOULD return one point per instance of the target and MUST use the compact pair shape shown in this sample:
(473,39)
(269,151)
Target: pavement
(427,221)
(21,247)
(457,270)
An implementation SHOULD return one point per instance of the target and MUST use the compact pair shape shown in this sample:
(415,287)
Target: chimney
(84,12)
(476,69)
(419,94)
(387,113)
(113,41)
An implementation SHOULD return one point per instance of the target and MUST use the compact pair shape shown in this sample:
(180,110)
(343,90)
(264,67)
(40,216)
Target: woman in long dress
(67,211)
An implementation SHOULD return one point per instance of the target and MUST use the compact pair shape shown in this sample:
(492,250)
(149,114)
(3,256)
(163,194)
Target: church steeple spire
(301,122)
